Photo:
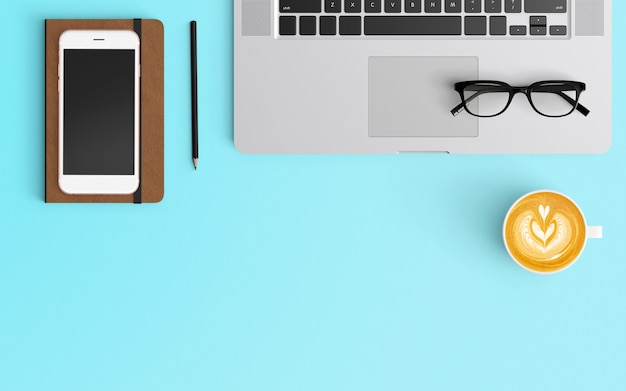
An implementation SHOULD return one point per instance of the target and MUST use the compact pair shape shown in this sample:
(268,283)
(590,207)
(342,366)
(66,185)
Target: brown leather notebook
(151,151)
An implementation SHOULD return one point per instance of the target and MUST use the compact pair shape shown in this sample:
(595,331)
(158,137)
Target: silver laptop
(412,76)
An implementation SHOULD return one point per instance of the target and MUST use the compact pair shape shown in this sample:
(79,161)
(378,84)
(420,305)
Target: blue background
(292,272)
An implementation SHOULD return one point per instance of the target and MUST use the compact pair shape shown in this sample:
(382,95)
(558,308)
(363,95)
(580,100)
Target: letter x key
(352,6)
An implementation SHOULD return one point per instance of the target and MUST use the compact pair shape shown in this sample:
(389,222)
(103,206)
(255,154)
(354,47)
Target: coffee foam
(545,231)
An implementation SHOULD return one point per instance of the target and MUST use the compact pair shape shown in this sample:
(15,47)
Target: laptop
(388,76)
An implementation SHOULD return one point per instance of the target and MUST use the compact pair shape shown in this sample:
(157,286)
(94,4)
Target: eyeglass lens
(554,99)
(486,99)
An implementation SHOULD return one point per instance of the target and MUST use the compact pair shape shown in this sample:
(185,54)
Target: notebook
(151,168)
(379,76)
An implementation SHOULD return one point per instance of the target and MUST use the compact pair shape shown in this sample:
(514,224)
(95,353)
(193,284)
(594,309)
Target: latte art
(544,231)
(544,237)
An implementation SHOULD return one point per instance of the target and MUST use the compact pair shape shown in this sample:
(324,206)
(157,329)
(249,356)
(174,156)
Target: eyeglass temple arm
(582,109)
(460,107)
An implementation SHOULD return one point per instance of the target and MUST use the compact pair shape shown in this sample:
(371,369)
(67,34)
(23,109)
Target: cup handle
(594,232)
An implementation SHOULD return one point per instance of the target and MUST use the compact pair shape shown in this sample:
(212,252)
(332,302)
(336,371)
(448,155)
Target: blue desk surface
(292,272)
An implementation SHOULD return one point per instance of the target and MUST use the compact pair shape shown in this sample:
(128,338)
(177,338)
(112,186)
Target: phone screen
(98,111)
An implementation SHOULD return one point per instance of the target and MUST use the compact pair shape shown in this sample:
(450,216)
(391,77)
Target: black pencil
(194,96)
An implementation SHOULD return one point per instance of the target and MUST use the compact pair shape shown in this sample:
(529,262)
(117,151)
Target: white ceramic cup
(546,232)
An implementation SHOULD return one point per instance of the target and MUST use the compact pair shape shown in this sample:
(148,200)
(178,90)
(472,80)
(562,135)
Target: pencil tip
(195,163)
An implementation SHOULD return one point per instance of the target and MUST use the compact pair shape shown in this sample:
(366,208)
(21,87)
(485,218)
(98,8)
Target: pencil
(194,96)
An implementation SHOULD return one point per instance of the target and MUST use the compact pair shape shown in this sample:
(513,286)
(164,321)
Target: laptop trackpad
(413,96)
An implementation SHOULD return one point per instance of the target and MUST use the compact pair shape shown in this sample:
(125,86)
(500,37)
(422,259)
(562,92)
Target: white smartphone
(99,112)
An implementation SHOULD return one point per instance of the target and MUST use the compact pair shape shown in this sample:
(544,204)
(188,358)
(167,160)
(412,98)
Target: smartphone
(99,111)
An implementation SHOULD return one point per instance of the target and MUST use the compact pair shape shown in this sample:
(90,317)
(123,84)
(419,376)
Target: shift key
(300,6)
(545,6)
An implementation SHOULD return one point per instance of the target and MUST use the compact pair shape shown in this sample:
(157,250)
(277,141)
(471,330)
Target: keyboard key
(307,25)
(472,6)
(352,6)
(513,6)
(558,30)
(350,25)
(332,6)
(412,6)
(497,25)
(493,6)
(453,6)
(373,6)
(538,20)
(412,25)
(300,6)
(392,5)
(328,25)
(287,25)
(545,6)
(475,25)
(537,30)
(517,30)
(432,6)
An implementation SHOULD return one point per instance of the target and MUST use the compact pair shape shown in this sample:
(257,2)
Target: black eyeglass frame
(577,86)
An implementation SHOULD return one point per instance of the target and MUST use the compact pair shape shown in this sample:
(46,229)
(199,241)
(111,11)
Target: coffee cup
(546,232)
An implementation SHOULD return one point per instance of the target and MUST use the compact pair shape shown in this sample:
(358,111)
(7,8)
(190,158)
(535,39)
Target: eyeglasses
(489,98)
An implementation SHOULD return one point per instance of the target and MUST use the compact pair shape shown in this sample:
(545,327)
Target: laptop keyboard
(531,19)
